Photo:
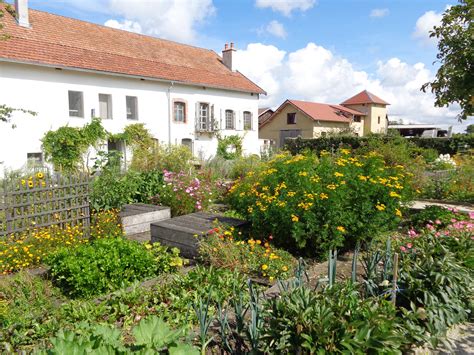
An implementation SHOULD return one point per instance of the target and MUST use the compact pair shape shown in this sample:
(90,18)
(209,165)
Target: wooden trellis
(43,200)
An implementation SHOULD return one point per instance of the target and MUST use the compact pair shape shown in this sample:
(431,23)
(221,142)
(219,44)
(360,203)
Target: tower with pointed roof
(374,109)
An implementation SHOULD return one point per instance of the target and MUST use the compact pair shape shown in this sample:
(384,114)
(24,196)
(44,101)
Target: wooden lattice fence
(43,200)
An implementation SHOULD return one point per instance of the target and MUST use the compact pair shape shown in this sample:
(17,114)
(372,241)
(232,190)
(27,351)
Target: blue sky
(325,50)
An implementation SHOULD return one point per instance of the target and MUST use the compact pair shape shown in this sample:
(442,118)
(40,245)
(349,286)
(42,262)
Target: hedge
(442,145)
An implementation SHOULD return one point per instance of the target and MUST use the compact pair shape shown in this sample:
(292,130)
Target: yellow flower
(302,173)
(394,194)
(294,218)
(341,229)
(398,212)
(331,187)
(264,267)
(291,193)
(40,175)
(337,174)
(285,268)
(30,183)
(345,151)
(148,246)
(323,196)
(380,207)
(23,182)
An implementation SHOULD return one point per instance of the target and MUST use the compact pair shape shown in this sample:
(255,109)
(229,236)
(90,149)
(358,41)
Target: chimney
(227,55)
(21,7)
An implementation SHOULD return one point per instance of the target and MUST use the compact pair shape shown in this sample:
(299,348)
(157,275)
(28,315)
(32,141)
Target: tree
(470,129)
(454,82)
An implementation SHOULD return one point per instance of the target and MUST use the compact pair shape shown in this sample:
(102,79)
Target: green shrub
(435,288)
(112,189)
(152,335)
(309,204)
(337,320)
(107,264)
(441,145)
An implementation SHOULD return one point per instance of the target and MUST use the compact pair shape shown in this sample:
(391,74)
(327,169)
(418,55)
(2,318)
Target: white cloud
(377,13)
(316,74)
(425,24)
(126,25)
(286,7)
(170,19)
(276,29)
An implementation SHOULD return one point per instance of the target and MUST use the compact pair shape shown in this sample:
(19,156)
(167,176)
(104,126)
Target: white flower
(385,283)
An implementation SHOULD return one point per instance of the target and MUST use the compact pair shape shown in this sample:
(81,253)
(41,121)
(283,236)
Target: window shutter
(221,123)
(234,120)
(196,116)
(210,126)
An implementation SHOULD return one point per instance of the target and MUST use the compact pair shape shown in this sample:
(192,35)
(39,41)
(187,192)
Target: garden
(332,260)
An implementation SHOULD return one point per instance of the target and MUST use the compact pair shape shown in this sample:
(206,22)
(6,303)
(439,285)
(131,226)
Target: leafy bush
(254,257)
(186,192)
(310,204)
(112,189)
(337,320)
(152,335)
(441,145)
(435,288)
(221,168)
(107,264)
(105,224)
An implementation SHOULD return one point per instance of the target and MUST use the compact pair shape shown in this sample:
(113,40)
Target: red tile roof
(364,97)
(63,42)
(320,112)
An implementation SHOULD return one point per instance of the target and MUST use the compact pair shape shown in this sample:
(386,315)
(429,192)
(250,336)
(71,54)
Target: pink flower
(437,234)
(402,248)
(430,227)
(453,220)
(471,215)
(438,221)
(412,233)
(409,245)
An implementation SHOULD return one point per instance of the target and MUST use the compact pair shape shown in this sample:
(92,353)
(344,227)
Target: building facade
(68,71)
(362,114)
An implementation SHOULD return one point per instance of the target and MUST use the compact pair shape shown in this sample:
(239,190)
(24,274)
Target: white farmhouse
(69,71)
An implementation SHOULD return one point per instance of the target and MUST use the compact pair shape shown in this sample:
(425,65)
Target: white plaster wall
(45,91)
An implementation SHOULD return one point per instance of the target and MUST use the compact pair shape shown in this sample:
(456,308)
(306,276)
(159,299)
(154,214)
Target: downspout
(169,112)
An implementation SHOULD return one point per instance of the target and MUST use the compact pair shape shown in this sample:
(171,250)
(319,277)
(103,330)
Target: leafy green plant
(336,320)
(310,204)
(152,335)
(229,147)
(107,264)
(435,287)
(66,147)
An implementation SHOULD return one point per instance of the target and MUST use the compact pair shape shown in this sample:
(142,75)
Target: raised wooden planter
(136,218)
(184,232)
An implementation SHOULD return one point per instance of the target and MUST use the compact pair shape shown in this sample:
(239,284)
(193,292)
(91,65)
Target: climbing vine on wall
(229,147)
(66,147)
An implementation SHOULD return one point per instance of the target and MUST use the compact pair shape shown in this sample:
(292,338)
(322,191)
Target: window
(247,120)
(76,104)
(229,119)
(188,143)
(132,107)
(203,118)
(179,111)
(356,118)
(378,120)
(34,160)
(291,118)
(105,106)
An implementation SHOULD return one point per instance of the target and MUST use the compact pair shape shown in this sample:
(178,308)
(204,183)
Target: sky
(314,50)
